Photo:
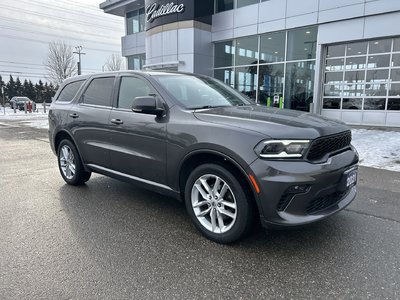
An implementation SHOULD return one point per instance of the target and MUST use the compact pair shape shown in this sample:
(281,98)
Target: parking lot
(108,239)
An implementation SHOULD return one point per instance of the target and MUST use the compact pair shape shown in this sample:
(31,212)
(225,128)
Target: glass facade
(135,21)
(363,76)
(276,69)
(223,5)
(136,62)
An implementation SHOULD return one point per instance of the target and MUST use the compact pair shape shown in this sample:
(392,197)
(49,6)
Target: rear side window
(69,91)
(130,88)
(99,91)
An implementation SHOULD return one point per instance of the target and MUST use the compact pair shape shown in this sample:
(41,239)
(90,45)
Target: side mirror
(148,105)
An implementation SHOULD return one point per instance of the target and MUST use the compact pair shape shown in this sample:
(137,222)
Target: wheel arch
(199,157)
(63,134)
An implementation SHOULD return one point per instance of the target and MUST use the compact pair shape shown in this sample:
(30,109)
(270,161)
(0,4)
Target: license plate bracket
(349,179)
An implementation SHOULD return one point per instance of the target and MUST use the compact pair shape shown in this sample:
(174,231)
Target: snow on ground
(377,148)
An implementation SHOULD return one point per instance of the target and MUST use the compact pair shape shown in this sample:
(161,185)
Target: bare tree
(114,62)
(60,63)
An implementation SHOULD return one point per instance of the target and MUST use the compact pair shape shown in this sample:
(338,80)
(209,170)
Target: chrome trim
(130,177)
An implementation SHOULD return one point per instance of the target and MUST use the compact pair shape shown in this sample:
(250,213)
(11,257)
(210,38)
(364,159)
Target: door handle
(74,115)
(117,121)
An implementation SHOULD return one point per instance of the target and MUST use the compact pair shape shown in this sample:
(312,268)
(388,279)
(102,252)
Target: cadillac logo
(155,10)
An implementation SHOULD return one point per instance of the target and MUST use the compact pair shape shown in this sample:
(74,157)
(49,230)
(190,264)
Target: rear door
(90,125)
(138,142)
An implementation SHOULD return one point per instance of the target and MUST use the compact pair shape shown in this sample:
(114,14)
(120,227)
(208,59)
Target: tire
(221,218)
(70,164)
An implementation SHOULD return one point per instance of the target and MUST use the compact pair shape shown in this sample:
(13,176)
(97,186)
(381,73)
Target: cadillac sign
(155,10)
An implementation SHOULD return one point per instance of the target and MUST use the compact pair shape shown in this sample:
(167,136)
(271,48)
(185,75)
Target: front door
(138,141)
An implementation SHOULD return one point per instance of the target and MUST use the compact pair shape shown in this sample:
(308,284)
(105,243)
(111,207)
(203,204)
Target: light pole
(79,52)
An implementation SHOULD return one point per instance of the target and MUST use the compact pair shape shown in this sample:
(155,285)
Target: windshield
(201,92)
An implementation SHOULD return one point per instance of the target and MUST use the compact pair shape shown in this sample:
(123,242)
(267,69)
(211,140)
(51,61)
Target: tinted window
(131,88)
(69,91)
(99,91)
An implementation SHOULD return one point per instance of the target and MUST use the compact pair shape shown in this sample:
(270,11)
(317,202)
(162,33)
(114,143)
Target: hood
(272,122)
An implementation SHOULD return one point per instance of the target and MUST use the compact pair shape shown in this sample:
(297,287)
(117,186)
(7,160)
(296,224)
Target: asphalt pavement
(111,240)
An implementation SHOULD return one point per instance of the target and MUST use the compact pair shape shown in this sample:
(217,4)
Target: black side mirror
(148,105)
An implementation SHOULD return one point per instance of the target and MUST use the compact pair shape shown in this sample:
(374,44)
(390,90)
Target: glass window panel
(374,103)
(352,103)
(335,51)
(247,50)
(354,63)
(354,76)
(331,103)
(302,43)
(394,89)
(353,90)
(133,22)
(69,91)
(395,60)
(334,77)
(246,80)
(142,21)
(380,46)
(299,84)
(357,48)
(223,53)
(99,91)
(393,104)
(395,75)
(270,83)
(375,89)
(272,48)
(241,3)
(225,75)
(136,62)
(332,90)
(396,44)
(131,88)
(223,5)
(378,61)
(336,64)
(377,75)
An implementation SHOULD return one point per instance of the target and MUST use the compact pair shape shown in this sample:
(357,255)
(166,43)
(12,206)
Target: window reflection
(135,21)
(374,103)
(270,87)
(246,80)
(223,54)
(299,85)
(225,75)
(331,103)
(301,43)
(352,103)
(247,51)
(272,47)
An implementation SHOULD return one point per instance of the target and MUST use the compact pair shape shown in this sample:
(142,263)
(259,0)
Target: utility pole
(79,52)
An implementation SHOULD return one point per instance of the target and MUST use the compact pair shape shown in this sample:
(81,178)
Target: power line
(46,42)
(60,8)
(35,66)
(54,17)
(42,25)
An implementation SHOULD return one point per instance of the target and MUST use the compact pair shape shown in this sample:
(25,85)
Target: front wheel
(70,164)
(217,204)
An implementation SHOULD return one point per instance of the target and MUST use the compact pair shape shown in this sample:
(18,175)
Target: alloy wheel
(67,162)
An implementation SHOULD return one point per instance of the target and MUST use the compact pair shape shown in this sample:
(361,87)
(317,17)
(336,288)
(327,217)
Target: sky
(27,27)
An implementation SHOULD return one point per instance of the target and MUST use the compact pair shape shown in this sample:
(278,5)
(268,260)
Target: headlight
(282,148)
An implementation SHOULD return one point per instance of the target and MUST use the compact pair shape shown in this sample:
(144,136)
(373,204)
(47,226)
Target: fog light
(297,189)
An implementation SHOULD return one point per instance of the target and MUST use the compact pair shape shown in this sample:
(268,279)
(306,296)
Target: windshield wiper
(208,106)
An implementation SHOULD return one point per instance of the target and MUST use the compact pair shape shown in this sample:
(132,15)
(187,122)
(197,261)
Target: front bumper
(298,192)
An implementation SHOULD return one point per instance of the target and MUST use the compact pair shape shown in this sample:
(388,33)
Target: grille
(325,202)
(328,144)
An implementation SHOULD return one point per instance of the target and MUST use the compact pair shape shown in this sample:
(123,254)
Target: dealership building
(337,58)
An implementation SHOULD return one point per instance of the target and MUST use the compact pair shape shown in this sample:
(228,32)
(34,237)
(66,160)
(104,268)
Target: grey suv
(194,138)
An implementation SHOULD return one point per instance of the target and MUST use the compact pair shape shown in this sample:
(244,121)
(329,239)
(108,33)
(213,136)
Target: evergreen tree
(39,87)
(2,84)
(49,92)
(19,90)
(10,88)
(29,90)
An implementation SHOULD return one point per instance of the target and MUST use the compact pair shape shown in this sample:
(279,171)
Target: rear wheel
(70,164)
(217,204)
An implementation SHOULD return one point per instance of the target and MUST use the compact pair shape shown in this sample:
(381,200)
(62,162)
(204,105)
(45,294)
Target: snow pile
(377,148)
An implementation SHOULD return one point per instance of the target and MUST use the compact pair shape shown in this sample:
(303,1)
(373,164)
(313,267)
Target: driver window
(130,88)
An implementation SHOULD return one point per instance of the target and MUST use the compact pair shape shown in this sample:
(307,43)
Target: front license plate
(351,179)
